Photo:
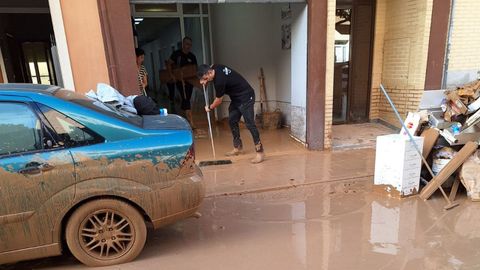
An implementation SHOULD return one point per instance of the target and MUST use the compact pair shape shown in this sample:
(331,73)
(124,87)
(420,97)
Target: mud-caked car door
(37,180)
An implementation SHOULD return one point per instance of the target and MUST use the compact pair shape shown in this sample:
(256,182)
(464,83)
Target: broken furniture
(448,170)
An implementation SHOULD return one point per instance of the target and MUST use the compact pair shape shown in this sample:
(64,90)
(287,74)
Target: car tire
(106,232)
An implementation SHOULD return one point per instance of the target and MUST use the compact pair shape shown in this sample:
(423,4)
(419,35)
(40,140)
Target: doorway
(27,48)
(353,61)
(159,30)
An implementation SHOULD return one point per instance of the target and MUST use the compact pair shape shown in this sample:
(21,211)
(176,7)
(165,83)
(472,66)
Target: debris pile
(461,114)
(451,133)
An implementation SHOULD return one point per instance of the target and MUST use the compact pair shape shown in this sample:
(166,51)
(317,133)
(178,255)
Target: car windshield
(99,106)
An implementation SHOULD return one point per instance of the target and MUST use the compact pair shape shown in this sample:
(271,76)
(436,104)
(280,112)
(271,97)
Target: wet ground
(306,210)
(340,225)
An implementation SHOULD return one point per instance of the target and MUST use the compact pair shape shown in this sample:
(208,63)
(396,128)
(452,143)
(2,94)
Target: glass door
(159,30)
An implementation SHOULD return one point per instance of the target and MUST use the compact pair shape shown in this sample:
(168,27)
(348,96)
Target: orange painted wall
(85,43)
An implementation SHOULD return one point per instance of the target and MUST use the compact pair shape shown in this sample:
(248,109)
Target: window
(20,129)
(70,132)
(191,9)
(39,62)
(156,8)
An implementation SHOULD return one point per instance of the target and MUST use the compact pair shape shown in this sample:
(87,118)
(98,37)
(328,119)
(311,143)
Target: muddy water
(340,225)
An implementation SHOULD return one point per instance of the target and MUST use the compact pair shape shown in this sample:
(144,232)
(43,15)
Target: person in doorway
(142,72)
(178,59)
(229,82)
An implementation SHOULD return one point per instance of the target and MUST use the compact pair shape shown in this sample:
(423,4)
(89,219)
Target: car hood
(162,122)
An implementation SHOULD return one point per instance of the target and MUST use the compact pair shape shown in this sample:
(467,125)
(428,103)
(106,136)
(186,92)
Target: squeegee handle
(209,121)
(406,130)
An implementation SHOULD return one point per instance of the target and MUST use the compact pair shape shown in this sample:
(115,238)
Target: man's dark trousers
(236,111)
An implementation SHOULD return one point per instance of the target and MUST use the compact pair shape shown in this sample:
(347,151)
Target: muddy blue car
(79,174)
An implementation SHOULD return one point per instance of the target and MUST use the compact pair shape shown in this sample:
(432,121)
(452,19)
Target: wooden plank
(430,138)
(448,170)
(453,191)
(263,93)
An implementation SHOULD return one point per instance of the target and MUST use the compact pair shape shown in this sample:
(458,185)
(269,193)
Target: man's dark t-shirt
(181,59)
(229,82)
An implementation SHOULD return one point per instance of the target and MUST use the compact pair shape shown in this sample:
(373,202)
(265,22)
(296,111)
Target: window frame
(43,133)
(57,138)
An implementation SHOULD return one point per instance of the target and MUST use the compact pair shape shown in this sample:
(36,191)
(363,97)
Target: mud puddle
(340,225)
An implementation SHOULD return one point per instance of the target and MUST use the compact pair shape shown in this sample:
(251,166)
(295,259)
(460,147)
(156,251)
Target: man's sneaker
(234,152)
(258,158)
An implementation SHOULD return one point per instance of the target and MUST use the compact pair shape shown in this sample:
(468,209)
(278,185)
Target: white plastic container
(398,165)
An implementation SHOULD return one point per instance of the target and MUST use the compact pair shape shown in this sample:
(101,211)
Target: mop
(212,162)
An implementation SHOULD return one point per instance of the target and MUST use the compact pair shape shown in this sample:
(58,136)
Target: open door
(360,71)
(353,59)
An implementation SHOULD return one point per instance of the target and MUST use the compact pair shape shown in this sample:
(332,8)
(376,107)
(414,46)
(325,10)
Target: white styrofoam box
(398,164)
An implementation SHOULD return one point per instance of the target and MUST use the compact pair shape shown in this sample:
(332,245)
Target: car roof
(27,87)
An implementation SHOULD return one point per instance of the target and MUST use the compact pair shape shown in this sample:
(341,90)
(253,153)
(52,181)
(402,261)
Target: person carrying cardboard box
(179,59)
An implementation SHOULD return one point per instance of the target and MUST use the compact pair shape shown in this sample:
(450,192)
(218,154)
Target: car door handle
(36,168)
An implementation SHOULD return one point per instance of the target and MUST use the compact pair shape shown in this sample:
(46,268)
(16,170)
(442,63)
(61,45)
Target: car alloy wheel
(106,232)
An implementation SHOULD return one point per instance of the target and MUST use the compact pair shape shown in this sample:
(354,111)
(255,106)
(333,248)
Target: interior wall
(283,64)
(85,43)
(299,72)
(401,56)
(247,37)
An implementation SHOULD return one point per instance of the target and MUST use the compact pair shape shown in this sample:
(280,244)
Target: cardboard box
(398,165)
(456,102)
(165,76)
(188,72)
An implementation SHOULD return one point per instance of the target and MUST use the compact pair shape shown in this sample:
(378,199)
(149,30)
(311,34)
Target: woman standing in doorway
(142,72)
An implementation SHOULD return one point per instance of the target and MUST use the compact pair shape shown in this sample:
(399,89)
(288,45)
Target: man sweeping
(229,82)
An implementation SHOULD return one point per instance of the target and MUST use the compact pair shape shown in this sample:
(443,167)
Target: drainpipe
(449,38)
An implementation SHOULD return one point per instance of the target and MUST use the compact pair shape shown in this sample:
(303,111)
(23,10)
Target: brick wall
(464,56)
(402,33)
(377,63)
(329,75)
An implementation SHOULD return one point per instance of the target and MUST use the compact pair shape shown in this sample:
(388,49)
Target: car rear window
(99,106)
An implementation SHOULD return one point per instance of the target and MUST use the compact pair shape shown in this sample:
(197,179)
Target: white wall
(283,65)
(62,46)
(247,37)
(299,56)
(299,71)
